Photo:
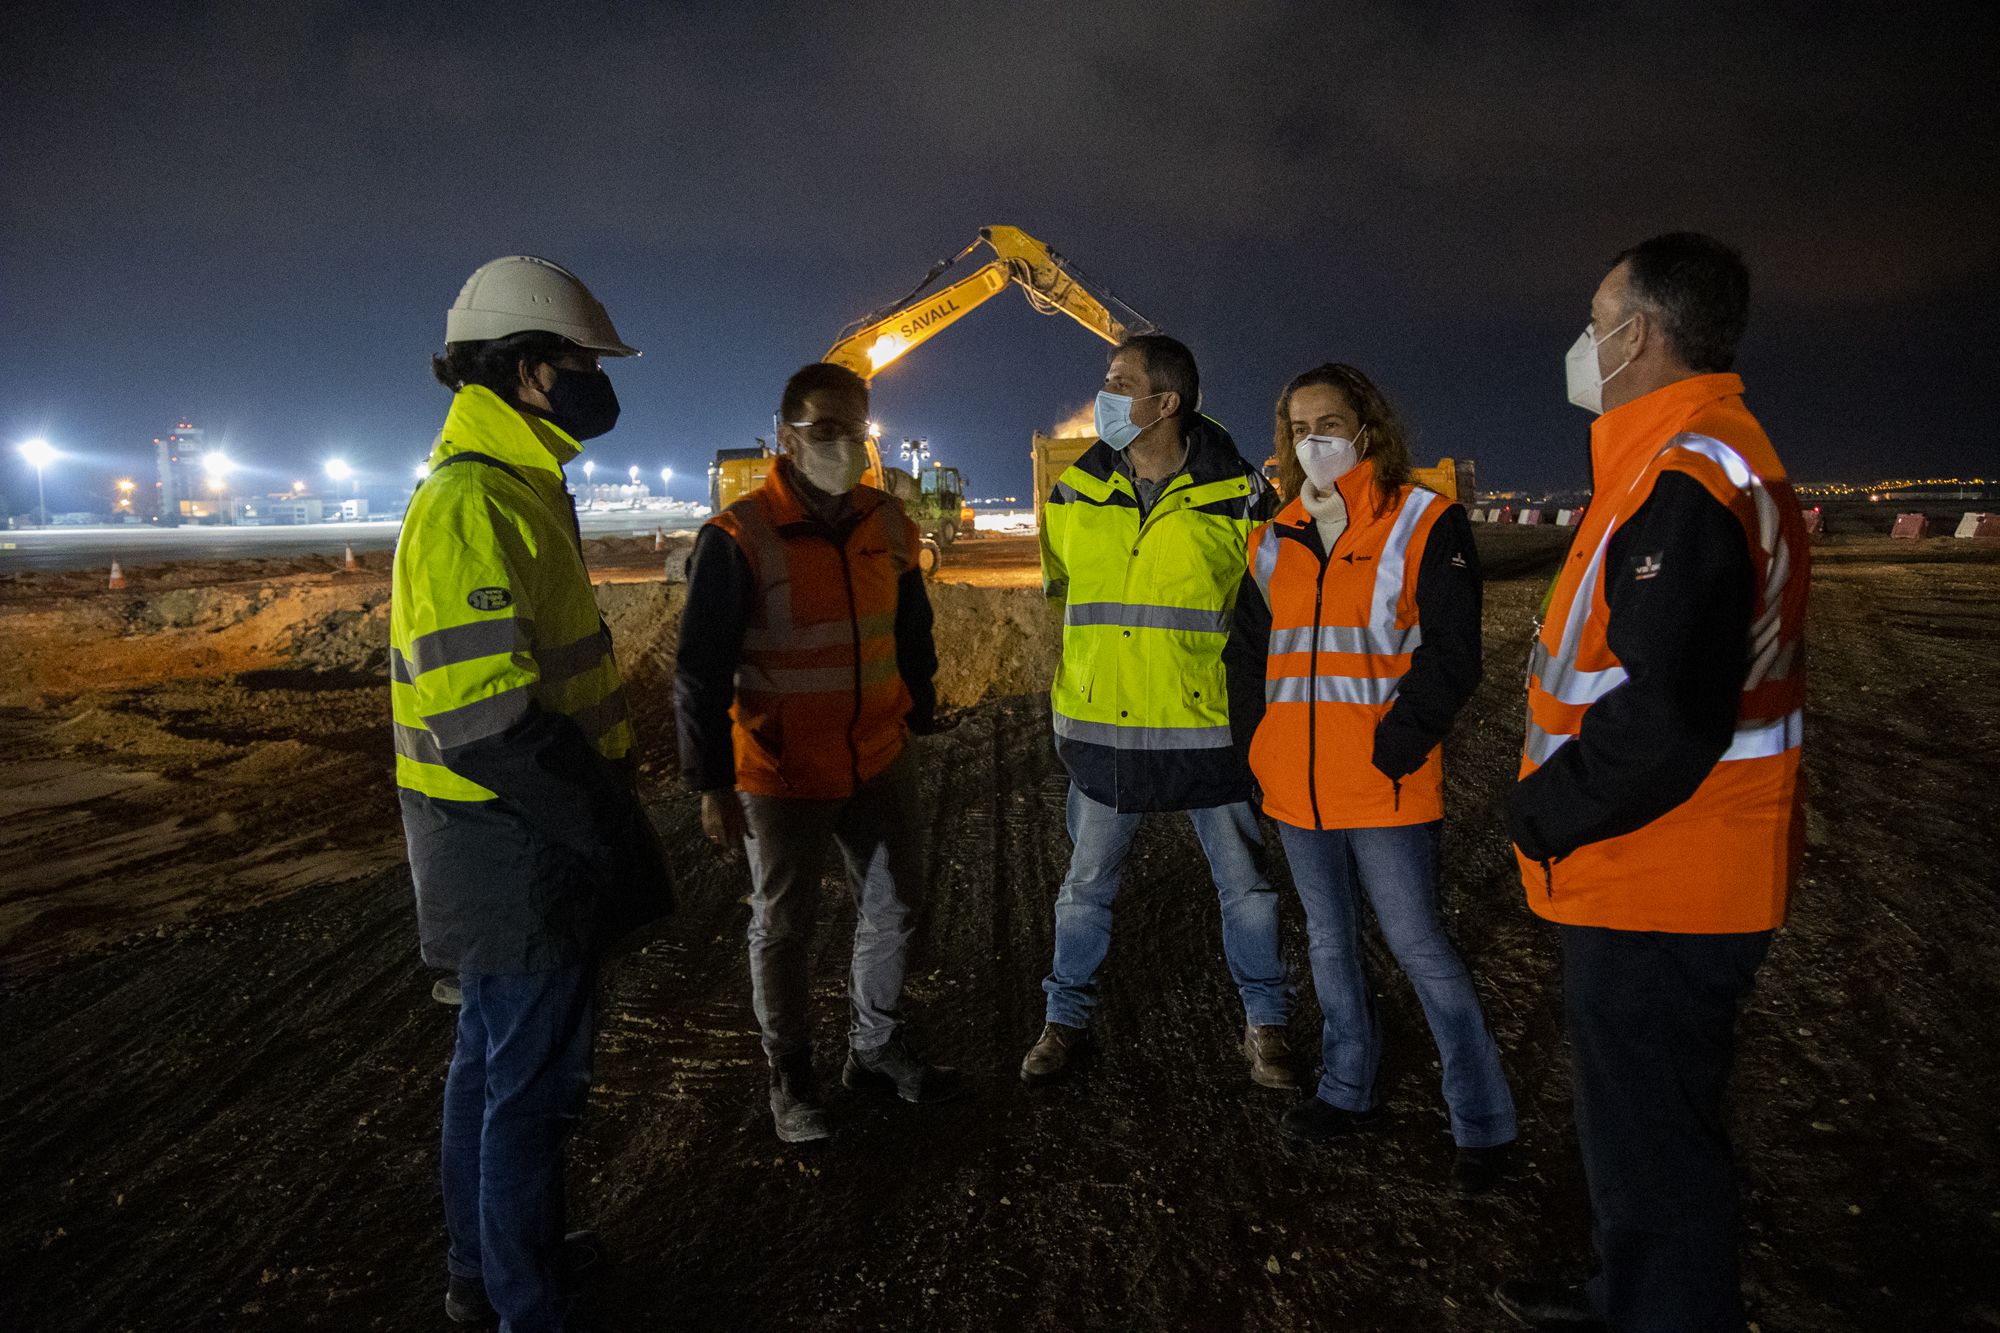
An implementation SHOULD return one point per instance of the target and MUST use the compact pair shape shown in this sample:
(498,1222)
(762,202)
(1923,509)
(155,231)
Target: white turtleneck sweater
(1328,510)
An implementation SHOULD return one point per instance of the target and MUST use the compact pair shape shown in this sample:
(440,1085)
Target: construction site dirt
(221,1066)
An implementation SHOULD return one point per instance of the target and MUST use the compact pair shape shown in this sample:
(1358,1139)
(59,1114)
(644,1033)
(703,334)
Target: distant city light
(633,472)
(298,488)
(666,479)
(423,470)
(338,470)
(589,466)
(217,465)
(39,453)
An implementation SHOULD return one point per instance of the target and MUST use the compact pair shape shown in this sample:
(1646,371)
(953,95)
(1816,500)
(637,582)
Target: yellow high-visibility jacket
(1141,697)
(526,841)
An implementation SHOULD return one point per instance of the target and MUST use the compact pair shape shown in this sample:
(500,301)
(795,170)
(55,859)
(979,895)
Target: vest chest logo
(1647,566)
(1351,558)
(489,599)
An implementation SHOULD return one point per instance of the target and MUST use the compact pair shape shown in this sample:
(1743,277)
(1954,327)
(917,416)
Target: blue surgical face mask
(1114,419)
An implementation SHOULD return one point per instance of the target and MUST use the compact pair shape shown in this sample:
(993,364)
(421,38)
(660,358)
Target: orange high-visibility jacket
(820,704)
(1724,859)
(1342,634)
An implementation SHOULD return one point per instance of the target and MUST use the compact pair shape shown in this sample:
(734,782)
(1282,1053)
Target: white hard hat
(520,294)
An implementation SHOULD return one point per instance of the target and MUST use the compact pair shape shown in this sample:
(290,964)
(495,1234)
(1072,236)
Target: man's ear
(1170,404)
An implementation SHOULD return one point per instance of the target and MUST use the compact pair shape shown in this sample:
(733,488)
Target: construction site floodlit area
(221,1061)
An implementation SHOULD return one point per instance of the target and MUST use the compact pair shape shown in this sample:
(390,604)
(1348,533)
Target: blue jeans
(516,1086)
(1234,846)
(1397,869)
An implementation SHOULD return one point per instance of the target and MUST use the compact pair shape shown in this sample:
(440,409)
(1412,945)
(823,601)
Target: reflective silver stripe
(1139,616)
(600,717)
(1331,689)
(1540,744)
(1143,738)
(469,642)
(1395,552)
(1761,740)
(811,680)
(1265,563)
(821,634)
(1347,639)
(1756,740)
(479,719)
(568,660)
(1571,686)
(418,744)
(399,667)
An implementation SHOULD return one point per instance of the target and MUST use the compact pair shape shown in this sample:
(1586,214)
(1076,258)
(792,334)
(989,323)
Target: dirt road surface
(220,1067)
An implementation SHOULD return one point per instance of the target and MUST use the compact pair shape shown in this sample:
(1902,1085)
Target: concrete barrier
(1565,517)
(1911,526)
(1815,522)
(1978,525)
(1530,518)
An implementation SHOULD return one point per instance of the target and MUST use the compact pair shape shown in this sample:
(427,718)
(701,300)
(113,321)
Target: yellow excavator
(1052,285)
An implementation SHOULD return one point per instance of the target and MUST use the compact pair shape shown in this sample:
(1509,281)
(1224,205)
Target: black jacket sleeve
(916,651)
(721,594)
(1678,580)
(547,768)
(1446,666)
(1245,658)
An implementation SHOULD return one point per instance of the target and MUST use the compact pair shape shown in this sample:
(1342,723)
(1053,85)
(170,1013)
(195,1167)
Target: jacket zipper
(1549,876)
(1312,698)
(854,628)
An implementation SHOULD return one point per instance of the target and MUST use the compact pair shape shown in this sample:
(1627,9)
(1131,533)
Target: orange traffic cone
(350,566)
(117,576)
(659,539)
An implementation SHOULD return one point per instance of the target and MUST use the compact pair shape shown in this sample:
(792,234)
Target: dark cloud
(1437,184)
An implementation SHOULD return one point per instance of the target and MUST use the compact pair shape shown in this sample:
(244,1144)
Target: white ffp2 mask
(1327,458)
(1586,386)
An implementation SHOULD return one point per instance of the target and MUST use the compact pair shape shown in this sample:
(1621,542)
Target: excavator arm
(1051,284)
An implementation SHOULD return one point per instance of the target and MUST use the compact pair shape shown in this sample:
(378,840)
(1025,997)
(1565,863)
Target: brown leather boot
(1269,1050)
(1049,1058)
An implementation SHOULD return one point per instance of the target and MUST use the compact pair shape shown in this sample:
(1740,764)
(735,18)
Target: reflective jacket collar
(1625,439)
(1357,491)
(788,509)
(1211,456)
(480,422)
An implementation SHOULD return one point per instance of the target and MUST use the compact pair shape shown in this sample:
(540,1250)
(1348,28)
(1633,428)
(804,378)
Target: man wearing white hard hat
(528,846)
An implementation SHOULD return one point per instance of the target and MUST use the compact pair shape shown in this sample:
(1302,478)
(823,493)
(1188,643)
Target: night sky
(253,215)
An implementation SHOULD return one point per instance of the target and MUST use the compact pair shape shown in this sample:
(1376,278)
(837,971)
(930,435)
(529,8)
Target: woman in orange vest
(1355,643)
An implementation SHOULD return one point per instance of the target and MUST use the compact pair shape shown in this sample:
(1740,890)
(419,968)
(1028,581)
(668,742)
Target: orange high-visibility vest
(820,703)
(1341,639)
(1724,860)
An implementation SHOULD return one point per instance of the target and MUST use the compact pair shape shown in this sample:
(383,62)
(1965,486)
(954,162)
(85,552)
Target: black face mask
(583,403)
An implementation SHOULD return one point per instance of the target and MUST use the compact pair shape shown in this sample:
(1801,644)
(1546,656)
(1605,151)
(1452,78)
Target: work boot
(465,1301)
(1478,1170)
(891,1067)
(1556,1306)
(1317,1121)
(1049,1058)
(465,1297)
(1269,1050)
(445,990)
(796,1112)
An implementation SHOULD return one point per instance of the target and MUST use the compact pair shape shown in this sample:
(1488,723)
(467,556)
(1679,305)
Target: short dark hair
(819,377)
(494,363)
(1169,367)
(1699,288)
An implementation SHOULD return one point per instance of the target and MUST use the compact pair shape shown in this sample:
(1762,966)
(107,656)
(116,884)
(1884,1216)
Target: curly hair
(1386,445)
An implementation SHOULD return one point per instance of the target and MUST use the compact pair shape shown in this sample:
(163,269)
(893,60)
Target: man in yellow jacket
(528,847)
(1143,546)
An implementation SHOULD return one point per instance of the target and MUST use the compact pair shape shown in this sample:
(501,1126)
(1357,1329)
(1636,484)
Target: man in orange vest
(1659,813)
(805,662)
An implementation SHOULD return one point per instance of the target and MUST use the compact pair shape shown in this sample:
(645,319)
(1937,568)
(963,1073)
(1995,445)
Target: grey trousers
(880,836)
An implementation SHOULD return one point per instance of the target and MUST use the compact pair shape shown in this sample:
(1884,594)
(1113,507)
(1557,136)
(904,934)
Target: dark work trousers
(1652,1030)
